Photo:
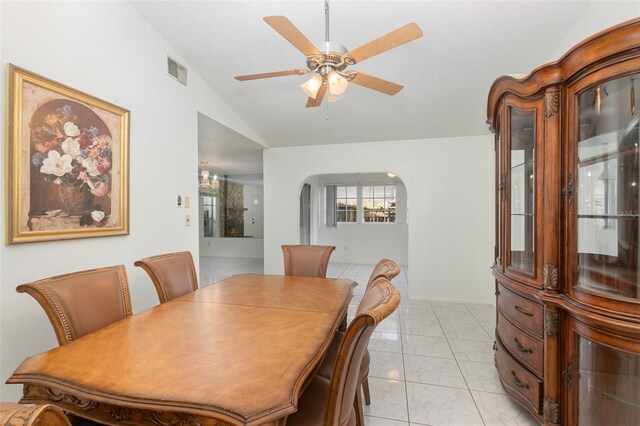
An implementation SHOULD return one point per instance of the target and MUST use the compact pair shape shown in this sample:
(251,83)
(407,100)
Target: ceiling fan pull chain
(326,20)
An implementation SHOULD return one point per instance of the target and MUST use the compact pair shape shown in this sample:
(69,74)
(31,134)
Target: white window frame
(384,199)
(346,198)
(360,202)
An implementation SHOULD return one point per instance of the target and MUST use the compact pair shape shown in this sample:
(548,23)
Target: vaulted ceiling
(446,74)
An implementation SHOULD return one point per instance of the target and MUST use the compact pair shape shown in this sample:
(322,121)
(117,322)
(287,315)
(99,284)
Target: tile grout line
(460,369)
(404,368)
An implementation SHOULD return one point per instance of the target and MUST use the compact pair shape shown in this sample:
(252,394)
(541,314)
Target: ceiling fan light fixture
(334,98)
(312,86)
(337,83)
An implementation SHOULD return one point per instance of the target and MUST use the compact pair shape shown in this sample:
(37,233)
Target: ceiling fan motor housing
(332,55)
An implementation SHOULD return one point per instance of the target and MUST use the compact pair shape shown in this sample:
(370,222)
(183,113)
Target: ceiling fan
(327,61)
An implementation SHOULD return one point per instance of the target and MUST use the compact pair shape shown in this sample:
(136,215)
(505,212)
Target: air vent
(177,71)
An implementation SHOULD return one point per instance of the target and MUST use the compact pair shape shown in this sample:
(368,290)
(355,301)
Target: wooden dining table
(238,352)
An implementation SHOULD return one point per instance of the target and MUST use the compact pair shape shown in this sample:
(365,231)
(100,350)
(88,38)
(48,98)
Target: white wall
(450,190)
(596,17)
(360,242)
(107,50)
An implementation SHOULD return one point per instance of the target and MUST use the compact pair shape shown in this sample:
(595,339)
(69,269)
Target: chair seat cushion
(312,405)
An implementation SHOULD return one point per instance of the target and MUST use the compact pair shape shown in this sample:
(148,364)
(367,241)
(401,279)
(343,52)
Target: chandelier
(207,186)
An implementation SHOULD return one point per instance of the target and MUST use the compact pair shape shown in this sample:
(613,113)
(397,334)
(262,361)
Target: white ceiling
(446,73)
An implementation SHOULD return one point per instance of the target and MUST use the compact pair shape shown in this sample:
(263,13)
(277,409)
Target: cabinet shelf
(620,382)
(609,216)
(522,164)
(600,158)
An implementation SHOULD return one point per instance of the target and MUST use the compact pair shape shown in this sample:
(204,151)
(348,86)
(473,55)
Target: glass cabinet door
(605,382)
(608,185)
(521,207)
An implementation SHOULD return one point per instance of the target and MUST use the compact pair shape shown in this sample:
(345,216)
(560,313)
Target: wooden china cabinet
(567,253)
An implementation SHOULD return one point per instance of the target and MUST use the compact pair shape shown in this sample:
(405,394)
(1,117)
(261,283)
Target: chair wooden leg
(343,324)
(365,389)
(358,407)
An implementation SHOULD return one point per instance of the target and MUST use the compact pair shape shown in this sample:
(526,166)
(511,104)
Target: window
(379,203)
(347,204)
(361,204)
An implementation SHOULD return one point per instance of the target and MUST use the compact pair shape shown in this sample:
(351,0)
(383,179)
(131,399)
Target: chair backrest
(173,274)
(306,261)
(385,268)
(380,299)
(82,302)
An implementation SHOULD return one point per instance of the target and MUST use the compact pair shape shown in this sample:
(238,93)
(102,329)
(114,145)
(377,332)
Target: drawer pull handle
(518,382)
(522,311)
(520,347)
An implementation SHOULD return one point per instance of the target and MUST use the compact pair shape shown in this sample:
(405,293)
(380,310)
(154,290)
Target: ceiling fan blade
(270,74)
(293,35)
(388,41)
(376,83)
(311,103)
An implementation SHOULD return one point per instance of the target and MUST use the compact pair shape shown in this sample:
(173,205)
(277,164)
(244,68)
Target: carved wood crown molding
(551,321)
(598,48)
(551,103)
(550,277)
(551,412)
(109,413)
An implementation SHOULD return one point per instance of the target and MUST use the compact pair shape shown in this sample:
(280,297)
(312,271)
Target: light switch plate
(187,220)
(187,202)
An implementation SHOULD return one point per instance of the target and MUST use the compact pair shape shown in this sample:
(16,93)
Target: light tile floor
(431,362)
(214,269)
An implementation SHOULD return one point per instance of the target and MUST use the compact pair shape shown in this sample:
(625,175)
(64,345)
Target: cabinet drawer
(520,311)
(518,381)
(527,349)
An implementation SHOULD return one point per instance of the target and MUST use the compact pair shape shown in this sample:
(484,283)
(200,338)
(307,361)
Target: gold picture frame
(67,162)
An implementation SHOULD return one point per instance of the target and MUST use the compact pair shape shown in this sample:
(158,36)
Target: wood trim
(624,37)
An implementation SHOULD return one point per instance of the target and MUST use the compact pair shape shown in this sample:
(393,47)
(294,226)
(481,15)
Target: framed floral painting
(67,162)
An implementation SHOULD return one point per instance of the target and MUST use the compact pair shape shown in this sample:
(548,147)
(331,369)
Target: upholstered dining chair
(333,402)
(32,415)
(306,261)
(387,269)
(82,302)
(173,274)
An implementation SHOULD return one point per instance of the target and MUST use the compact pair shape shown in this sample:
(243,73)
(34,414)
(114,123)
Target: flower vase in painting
(71,159)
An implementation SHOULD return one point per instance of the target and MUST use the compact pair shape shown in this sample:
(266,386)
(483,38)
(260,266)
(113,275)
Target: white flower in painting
(71,146)
(97,215)
(71,129)
(55,164)
(91,166)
